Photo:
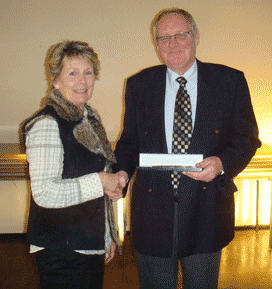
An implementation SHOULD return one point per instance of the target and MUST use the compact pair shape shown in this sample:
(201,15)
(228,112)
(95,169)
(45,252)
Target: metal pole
(270,233)
(257,186)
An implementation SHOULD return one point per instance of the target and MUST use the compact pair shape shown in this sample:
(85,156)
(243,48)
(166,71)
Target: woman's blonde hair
(58,52)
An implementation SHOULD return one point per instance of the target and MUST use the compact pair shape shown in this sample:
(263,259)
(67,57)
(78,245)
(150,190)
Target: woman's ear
(55,83)
(56,86)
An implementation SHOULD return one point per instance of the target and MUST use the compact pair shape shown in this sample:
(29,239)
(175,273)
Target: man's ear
(197,37)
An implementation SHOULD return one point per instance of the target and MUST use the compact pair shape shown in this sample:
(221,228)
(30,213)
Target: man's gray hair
(180,12)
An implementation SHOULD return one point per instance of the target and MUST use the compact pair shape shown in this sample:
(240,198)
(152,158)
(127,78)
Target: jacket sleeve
(127,148)
(243,140)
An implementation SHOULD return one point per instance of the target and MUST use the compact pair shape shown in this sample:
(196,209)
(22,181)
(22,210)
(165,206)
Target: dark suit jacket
(225,126)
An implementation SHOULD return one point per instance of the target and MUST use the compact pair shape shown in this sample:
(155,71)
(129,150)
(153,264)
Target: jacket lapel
(208,110)
(154,106)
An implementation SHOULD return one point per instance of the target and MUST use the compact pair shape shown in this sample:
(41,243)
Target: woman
(70,221)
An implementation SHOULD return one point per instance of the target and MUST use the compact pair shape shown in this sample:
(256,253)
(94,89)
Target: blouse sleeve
(44,152)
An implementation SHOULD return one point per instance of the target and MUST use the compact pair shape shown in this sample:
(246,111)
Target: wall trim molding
(13,167)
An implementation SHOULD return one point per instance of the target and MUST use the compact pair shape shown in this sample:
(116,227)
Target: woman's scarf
(88,131)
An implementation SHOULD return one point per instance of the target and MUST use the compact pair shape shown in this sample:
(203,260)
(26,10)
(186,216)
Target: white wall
(233,32)
(14,206)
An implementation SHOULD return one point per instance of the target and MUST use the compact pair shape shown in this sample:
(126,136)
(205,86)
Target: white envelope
(178,162)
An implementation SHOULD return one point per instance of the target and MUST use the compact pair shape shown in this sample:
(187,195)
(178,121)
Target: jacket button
(150,190)
(145,132)
(217,131)
(204,188)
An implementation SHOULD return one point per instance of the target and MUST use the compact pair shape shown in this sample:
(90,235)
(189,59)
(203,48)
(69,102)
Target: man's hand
(123,177)
(113,184)
(118,192)
(211,166)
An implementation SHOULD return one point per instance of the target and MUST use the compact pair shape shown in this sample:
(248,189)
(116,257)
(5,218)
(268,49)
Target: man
(190,218)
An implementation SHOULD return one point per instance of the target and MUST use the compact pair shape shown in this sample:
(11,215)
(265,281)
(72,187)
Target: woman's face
(76,81)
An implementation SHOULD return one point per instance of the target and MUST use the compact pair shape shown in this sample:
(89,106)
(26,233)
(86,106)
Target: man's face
(178,54)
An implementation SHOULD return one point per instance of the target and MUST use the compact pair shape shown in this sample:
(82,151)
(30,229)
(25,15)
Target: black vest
(78,227)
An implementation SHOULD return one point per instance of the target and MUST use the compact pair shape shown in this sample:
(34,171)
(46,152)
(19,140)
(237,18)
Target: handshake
(113,184)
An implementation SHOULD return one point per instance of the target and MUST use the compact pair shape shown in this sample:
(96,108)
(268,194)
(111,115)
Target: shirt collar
(172,75)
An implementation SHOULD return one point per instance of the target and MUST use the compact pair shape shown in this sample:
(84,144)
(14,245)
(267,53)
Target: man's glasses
(179,37)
